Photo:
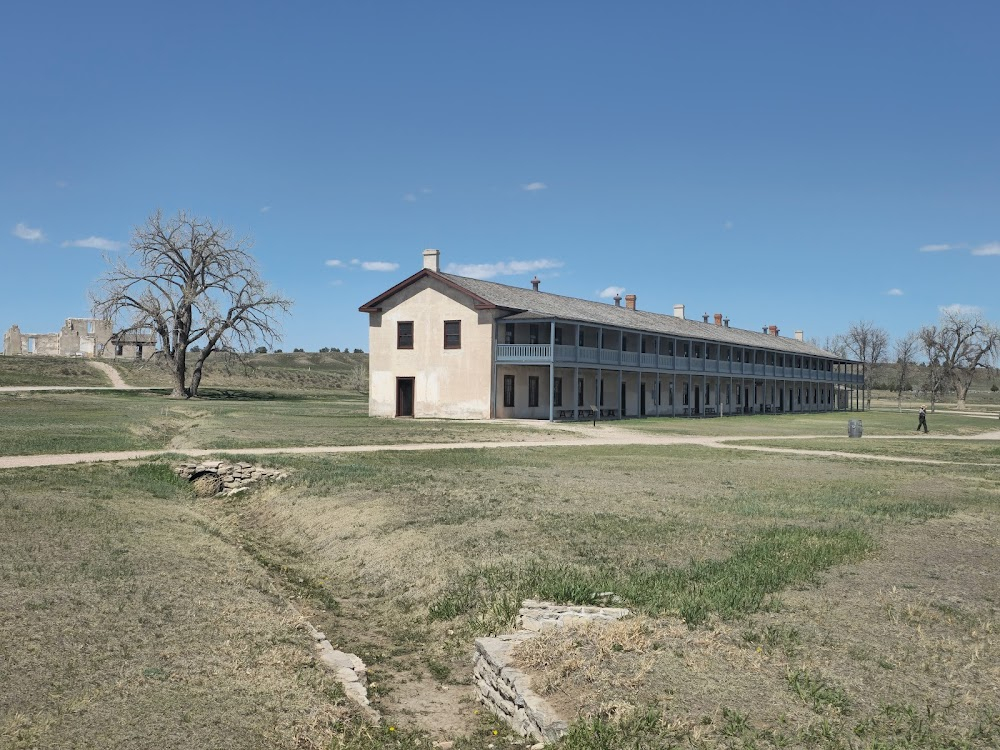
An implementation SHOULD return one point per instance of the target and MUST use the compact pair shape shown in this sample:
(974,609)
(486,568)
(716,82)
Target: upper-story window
(533,333)
(685,349)
(558,336)
(404,334)
(453,334)
(697,351)
(624,343)
(508,333)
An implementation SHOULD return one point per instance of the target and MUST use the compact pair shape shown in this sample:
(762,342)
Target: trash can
(854,428)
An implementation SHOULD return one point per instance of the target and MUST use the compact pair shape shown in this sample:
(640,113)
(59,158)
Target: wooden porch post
(552,371)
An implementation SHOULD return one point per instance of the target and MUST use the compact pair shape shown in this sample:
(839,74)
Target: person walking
(922,419)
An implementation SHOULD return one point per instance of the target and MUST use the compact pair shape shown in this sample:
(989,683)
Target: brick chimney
(799,336)
(679,311)
(772,330)
(718,319)
(432,260)
(618,300)
(630,301)
(535,282)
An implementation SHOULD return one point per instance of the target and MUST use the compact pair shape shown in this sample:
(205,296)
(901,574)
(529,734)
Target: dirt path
(605,435)
(111,372)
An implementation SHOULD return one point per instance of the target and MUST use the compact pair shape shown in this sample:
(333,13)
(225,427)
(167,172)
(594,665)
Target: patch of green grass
(816,690)
(741,584)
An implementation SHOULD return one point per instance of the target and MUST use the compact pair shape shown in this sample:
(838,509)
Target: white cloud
(895,292)
(379,265)
(334,263)
(96,243)
(355,262)
(265,209)
(24,232)
(959,309)
(610,291)
(938,248)
(991,248)
(509,268)
(533,186)
(410,198)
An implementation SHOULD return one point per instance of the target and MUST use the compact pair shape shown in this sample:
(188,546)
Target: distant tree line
(933,360)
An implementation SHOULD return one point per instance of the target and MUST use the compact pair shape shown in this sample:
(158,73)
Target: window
(532,390)
(508,390)
(670,347)
(580,338)
(685,349)
(602,392)
(404,334)
(533,333)
(557,392)
(508,333)
(579,392)
(624,343)
(453,334)
(670,394)
(697,351)
(558,336)
(685,401)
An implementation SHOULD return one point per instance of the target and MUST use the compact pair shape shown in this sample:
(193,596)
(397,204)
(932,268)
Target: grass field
(82,421)
(38,370)
(287,372)
(832,423)
(780,600)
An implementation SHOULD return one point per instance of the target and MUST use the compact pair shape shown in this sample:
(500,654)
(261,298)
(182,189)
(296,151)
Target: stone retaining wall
(231,476)
(505,690)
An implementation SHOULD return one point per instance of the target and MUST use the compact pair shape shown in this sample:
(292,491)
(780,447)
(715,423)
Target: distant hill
(286,371)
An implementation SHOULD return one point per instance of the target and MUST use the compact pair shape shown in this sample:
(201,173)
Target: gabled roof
(527,304)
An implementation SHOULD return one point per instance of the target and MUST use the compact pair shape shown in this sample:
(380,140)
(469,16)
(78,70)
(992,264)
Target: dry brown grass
(128,623)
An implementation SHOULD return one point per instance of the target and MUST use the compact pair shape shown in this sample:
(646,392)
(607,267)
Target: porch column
(552,371)
(576,392)
(621,405)
(656,391)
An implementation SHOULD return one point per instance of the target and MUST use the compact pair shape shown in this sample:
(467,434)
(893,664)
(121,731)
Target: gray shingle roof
(527,304)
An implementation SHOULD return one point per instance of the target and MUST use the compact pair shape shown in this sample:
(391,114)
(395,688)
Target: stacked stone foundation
(505,690)
(232,476)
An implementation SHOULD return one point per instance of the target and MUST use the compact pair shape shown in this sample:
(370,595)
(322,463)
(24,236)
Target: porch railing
(521,352)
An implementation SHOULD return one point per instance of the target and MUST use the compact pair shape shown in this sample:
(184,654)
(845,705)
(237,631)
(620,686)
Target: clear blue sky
(788,163)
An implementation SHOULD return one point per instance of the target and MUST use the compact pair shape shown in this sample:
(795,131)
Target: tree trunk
(961,391)
(180,370)
(195,380)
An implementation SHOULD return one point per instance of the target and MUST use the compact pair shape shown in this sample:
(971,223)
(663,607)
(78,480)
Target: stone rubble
(505,690)
(233,476)
(349,670)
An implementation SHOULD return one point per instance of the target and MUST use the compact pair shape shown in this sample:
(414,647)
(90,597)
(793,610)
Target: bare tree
(867,343)
(906,350)
(357,379)
(959,345)
(190,281)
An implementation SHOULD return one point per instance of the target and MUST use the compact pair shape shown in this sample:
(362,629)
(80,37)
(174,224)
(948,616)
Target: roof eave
(374,305)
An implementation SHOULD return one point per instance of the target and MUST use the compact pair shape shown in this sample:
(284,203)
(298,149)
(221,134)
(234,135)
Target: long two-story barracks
(449,346)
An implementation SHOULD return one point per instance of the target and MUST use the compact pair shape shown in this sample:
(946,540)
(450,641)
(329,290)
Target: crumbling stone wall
(506,691)
(228,477)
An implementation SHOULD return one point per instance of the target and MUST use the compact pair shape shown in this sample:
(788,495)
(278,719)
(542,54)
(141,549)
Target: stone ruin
(506,691)
(222,477)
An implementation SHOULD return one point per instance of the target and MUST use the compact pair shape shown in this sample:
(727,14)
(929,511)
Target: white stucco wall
(449,383)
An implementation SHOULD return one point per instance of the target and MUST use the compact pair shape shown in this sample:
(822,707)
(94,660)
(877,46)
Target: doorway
(642,399)
(697,400)
(404,397)
(622,403)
